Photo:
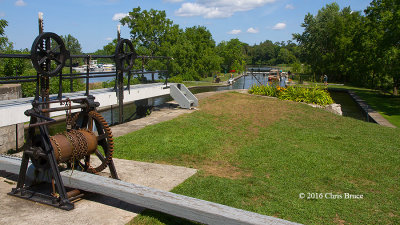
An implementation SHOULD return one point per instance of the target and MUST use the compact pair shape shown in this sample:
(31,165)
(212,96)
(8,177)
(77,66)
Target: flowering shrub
(313,95)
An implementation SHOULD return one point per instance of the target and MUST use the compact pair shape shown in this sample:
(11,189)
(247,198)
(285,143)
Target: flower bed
(312,95)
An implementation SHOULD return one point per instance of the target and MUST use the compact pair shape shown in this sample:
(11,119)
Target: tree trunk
(396,86)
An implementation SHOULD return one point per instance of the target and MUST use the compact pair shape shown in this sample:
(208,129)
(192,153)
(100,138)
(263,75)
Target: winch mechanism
(87,134)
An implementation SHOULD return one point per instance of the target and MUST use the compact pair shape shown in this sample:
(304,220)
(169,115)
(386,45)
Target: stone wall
(8,133)
(333,108)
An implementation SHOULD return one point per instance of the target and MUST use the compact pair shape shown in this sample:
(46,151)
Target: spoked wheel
(95,123)
(48,54)
(125,55)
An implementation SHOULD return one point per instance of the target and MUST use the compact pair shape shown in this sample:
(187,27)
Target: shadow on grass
(387,104)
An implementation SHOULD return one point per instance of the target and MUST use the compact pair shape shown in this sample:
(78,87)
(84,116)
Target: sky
(94,22)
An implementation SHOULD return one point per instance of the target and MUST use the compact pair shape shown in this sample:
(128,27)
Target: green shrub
(175,79)
(111,83)
(263,90)
(314,95)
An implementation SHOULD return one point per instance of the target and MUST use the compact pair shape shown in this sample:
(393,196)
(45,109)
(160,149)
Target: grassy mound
(260,154)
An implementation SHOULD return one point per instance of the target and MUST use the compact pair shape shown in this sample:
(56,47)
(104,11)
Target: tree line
(361,48)
(196,55)
(356,48)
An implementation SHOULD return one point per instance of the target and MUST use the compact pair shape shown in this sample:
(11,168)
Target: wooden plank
(10,164)
(167,202)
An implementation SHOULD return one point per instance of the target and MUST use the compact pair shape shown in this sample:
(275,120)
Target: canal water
(138,109)
(349,107)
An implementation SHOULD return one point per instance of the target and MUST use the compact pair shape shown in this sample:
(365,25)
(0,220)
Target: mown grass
(259,154)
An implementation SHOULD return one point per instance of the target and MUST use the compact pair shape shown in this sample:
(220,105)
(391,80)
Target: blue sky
(94,22)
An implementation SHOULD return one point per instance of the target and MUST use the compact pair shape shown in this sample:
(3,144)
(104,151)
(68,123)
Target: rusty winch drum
(73,145)
(68,146)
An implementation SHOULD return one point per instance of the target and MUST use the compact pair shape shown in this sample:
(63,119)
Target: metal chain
(82,150)
(68,114)
(109,145)
(73,143)
(58,147)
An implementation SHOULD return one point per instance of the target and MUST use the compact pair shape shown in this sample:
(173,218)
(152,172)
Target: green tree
(108,49)
(285,56)
(72,44)
(192,49)
(233,54)
(327,41)
(296,67)
(264,53)
(149,28)
(383,24)
(153,34)
(11,66)
(14,66)
(204,59)
(3,38)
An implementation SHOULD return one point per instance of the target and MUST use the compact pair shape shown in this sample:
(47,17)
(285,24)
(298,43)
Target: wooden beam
(10,164)
(166,202)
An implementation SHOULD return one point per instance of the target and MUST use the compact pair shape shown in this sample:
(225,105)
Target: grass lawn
(259,154)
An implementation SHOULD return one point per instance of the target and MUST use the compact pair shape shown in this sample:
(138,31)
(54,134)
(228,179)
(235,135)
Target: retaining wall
(371,114)
(11,135)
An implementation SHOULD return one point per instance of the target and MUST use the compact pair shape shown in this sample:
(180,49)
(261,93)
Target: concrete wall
(8,133)
(10,91)
(106,97)
(8,137)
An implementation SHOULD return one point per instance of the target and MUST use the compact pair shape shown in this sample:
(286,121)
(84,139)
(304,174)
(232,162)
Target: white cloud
(118,16)
(20,3)
(289,6)
(109,39)
(252,30)
(235,32)
(218,8)
(279,26)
